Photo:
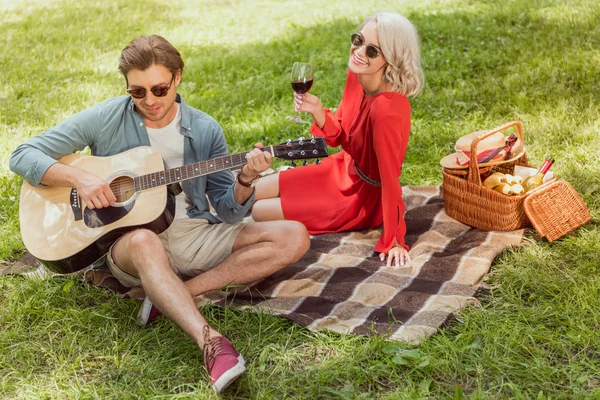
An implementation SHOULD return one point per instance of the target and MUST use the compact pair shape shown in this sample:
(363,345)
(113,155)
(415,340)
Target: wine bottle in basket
(531,182)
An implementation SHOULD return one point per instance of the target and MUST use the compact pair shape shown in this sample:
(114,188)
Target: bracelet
(246,184)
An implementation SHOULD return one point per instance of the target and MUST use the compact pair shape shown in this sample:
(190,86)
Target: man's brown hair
(143,52)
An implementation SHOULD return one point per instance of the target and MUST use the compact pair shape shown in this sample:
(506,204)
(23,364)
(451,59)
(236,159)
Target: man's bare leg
(141,254)
(259,250)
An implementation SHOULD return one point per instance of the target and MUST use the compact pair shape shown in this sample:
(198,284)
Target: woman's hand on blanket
(397,254)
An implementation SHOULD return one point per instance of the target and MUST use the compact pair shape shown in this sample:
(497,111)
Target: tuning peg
(305,163)
(293,164)
(318,161)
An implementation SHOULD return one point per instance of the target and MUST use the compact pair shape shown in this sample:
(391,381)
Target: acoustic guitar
(66,236)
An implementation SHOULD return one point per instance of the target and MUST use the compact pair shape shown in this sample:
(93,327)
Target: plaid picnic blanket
(342,286)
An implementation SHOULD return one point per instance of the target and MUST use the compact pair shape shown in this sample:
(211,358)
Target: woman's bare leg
(267,210)
(267,187)
(268,204)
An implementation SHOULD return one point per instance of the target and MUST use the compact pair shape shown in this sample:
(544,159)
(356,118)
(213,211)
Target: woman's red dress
(330,197)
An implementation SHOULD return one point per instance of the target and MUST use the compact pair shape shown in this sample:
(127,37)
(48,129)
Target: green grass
(486,63)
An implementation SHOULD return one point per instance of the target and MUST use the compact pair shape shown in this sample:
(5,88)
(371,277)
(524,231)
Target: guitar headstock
(301,149)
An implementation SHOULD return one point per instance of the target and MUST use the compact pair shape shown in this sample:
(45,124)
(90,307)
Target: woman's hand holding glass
(302,81)
(311,104)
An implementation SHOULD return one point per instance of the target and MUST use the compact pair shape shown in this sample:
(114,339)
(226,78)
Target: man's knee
(294,240)
(142,239)
(288,240)
(133,249)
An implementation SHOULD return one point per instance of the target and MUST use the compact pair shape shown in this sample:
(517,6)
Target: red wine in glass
(302,81)
(302,87)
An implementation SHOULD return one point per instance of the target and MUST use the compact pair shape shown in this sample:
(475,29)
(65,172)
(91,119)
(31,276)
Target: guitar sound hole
(123,188)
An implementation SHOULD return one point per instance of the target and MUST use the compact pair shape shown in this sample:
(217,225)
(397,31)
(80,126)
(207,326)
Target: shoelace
(212,347)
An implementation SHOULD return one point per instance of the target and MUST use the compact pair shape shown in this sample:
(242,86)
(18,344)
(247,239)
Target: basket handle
(473,176)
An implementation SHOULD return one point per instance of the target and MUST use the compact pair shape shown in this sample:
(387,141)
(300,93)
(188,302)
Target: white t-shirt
(169,143)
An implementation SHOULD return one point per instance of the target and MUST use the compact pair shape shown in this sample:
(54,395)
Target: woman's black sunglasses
(158,91)
(371,50)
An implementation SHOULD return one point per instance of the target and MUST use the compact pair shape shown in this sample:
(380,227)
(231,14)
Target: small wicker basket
(468,201)
(556,210)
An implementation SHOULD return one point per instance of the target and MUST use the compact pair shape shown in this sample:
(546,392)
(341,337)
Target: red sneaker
(223,362)
(147,313)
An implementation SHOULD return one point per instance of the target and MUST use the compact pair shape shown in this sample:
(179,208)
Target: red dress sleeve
(334,128)
(390,140)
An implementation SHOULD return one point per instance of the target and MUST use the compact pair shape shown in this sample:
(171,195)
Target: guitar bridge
(76,205)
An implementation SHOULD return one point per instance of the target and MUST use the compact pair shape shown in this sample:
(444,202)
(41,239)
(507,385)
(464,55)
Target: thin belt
(365,178)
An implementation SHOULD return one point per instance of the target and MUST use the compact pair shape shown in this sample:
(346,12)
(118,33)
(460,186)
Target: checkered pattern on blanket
(342,286)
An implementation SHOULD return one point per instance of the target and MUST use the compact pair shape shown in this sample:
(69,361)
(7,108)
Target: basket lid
(555,210)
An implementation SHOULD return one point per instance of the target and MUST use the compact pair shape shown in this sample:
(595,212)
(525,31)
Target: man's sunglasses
(358,40)
(158,91)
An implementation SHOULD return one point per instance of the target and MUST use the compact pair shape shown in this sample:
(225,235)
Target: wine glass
(302,81)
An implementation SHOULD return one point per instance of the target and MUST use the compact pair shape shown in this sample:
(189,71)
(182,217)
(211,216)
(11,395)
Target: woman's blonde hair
(399,43)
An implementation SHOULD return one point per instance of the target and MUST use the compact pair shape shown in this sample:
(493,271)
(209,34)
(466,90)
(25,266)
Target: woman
(357,188)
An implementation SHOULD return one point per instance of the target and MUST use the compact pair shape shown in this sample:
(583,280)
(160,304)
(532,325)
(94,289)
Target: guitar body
(66,236)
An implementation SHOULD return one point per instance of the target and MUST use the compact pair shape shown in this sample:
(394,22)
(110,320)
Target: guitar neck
(179,174)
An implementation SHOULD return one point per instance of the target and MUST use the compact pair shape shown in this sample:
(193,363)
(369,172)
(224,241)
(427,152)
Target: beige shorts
(193,246)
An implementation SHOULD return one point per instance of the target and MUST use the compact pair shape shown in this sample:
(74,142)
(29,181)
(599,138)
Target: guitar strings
(121,188)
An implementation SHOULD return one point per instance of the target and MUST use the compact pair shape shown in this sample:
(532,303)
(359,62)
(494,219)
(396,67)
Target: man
(197,253)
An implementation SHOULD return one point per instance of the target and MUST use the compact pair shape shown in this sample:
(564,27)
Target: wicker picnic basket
(468,201)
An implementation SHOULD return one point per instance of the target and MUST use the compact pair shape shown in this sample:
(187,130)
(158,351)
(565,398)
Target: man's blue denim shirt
(113,126)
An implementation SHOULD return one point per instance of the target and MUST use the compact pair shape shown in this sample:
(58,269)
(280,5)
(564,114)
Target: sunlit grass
(486,62)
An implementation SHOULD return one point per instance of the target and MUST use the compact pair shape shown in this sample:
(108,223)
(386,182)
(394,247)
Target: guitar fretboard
(190,171)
